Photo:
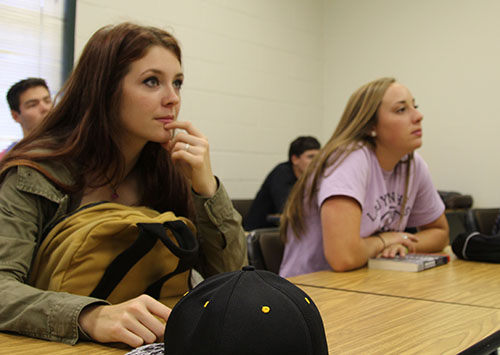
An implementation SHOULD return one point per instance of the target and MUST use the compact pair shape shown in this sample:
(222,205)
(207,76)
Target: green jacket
(30,203)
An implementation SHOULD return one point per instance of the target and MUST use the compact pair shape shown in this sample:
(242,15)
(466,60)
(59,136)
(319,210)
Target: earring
(373,134)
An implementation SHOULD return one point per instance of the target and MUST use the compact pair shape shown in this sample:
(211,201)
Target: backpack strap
(187,252)
(149,233)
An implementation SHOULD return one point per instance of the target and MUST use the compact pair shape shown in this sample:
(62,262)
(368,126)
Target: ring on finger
(186,148)
(404,237)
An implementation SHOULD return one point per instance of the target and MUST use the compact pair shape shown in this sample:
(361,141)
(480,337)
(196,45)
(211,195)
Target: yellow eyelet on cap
(206,304)
(307,300)
(265,309)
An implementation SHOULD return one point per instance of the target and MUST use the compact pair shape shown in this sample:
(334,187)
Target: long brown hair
(81,130)
(352,132)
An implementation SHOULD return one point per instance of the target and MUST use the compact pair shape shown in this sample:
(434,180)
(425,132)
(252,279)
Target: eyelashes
(178,83)
(153,81)
(403,109)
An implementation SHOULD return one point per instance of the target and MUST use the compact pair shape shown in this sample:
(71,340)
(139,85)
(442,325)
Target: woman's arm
(433,237)
(344,248)
(27,203)
(430,238)
(221,235)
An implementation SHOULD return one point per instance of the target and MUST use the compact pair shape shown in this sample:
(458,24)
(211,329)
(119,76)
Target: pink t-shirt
(380,194)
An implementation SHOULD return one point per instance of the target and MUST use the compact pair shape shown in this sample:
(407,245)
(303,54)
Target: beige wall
(253,74)
(261,72)
(448,53)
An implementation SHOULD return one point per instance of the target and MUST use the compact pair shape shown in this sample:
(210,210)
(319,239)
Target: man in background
(274,192)
(30,102)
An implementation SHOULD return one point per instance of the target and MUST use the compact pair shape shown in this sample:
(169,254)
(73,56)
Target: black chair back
(482,219)
(265,249)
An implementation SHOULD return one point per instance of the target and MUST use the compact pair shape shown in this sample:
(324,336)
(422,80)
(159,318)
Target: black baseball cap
(247,312)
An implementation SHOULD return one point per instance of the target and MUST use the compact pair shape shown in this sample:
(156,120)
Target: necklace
(114,190)
(115,186)
(114,193)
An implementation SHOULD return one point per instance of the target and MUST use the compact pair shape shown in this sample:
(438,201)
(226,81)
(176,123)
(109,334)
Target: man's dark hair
(18,88)
(301,144)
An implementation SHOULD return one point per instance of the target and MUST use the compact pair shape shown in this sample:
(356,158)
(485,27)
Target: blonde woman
(364,188)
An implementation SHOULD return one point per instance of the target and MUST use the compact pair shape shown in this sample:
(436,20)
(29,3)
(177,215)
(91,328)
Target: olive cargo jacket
(30,203)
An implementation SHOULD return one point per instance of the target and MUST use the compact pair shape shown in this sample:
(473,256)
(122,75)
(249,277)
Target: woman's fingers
(410,237)
(181,139)
(136,333)
(144,319)
(409,243)
(185,125)
(158,310)
(188,144)
(190,150)
(398,249)
(134,322)
(189,134)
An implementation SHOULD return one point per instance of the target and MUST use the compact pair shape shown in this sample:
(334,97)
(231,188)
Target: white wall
(253,74)
(448,53)
(261,72)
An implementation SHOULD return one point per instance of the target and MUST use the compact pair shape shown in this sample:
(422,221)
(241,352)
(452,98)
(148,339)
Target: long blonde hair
(352,132)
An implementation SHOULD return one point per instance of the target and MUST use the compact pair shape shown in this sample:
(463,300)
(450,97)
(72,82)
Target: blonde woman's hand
(134,322)
(189,149)
(399,243)
(395,249)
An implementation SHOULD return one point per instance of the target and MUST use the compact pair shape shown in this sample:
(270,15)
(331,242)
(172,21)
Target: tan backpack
(117,252)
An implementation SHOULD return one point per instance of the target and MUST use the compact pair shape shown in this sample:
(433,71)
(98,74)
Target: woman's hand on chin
(190,151)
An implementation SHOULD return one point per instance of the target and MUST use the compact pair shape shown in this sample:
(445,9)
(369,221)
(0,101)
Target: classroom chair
(481,219)
(242,206)
(457,221)
(265,249)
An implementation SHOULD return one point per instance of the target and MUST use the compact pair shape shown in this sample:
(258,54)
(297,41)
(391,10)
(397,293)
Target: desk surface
(20,345)
(358,323)
(439,311)
(460,282)
(355,323)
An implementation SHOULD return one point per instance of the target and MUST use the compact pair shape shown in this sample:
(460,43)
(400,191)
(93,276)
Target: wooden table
(448,308)
(458,282)
(11,344)
(444,310)
(359,323)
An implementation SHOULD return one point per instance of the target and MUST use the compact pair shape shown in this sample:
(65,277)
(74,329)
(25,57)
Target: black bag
(477,246)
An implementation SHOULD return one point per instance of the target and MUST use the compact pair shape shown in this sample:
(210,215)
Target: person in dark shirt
(274,191)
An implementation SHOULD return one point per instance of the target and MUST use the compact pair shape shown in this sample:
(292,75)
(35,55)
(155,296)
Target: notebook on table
(410,262)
